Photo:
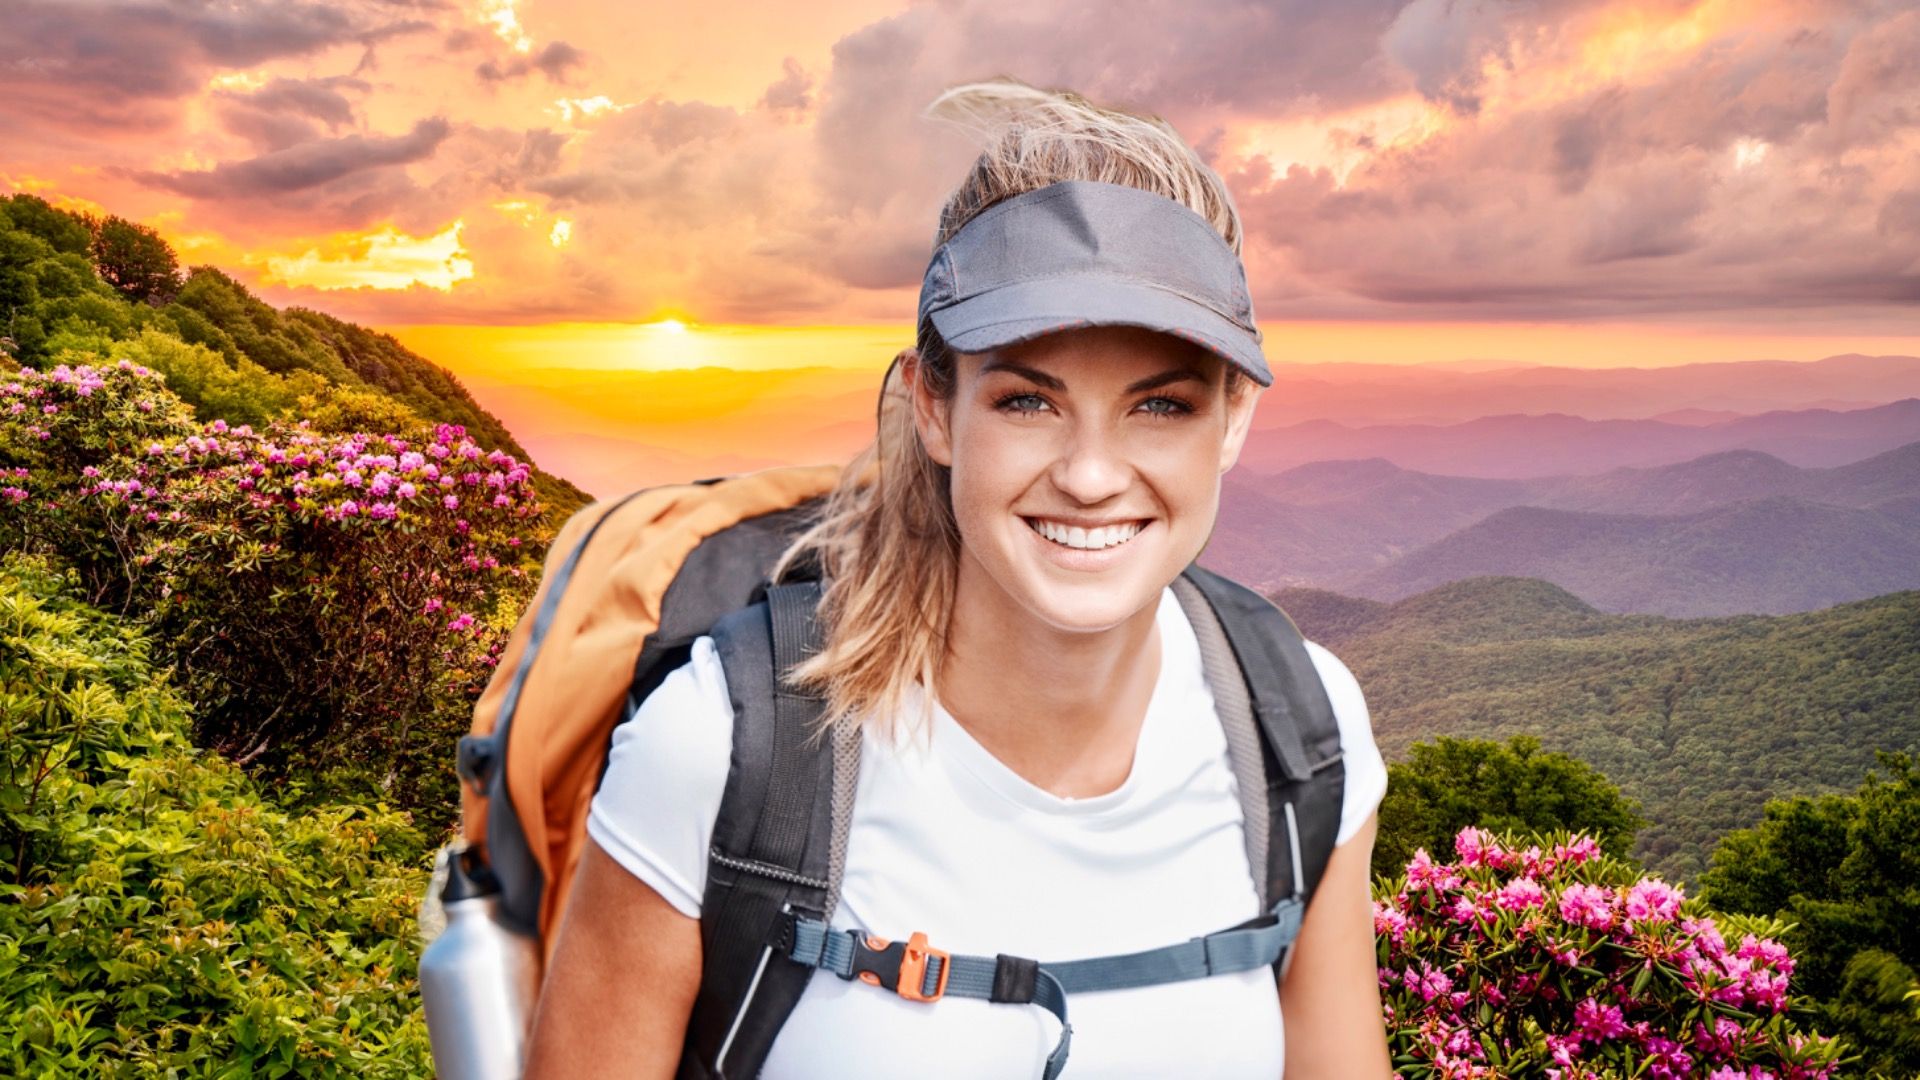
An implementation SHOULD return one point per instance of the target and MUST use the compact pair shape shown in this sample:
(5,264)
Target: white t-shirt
(948,840)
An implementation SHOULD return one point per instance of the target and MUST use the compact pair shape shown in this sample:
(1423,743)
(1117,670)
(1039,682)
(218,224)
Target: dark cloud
(539,153)
(118,65)
(286,112)
(653,151)
(554,60)
(304,166)
(792,91)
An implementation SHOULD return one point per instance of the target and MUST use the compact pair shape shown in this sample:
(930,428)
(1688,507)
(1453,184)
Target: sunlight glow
(572,109)
(387,259)
(1339,142)
(1750,152)
(500,15)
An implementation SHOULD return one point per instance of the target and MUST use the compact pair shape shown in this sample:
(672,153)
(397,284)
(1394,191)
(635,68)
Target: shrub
(1511,961)
(332,603)
(157,917)
(57,428)
(1843,870)
(1511,786)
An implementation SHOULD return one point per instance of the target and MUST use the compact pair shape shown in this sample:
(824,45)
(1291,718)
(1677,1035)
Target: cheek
(993,469)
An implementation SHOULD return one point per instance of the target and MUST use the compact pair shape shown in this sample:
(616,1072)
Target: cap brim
(1030,309)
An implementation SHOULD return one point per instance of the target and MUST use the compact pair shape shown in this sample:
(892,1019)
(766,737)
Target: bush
(157,917)
(1567,963)
(1843,870)
(1511,786)
(332,603)
(57,429)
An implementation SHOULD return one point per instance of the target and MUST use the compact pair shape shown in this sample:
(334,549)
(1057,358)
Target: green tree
(64,231)
(1514,786)
(239,393)
(135,260)
(1845,871)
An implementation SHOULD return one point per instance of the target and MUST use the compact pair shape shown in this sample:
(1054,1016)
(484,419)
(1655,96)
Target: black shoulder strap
(1306,779)
(771,854)
(770,841)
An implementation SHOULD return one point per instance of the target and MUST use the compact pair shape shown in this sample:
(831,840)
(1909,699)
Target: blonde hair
(886,544)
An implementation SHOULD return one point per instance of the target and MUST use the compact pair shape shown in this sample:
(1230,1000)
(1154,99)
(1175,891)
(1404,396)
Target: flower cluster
(1555,959)
(314,481)
(332,601)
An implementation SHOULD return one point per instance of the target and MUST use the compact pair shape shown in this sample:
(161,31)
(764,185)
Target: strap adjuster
(900,966)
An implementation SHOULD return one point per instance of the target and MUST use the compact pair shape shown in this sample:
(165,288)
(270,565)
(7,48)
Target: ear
(1239,423)
(931,416)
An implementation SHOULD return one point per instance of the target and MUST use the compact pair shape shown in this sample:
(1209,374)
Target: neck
(1061,708)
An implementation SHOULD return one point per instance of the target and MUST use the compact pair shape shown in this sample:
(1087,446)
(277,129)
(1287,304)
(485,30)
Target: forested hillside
(1702,720)
(85,286)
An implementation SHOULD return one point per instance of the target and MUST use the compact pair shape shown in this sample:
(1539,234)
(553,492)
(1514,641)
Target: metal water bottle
(478,980)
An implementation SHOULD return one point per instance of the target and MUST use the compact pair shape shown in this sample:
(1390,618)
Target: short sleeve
(666,772)
(1366,782)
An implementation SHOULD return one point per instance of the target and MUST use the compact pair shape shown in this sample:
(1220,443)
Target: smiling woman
(1070,741)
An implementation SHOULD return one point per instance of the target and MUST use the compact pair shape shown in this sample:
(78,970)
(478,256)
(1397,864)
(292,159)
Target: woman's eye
(1010,403)
(1175,406)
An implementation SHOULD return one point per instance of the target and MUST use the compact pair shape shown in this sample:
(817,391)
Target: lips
(1087,538)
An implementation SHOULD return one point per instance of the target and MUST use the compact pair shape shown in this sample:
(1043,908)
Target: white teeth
(1075,536)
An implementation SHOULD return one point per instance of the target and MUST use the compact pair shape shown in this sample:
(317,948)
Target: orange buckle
(913,969)
(899,966)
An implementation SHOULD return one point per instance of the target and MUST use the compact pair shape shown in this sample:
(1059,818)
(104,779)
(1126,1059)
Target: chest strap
(918,972)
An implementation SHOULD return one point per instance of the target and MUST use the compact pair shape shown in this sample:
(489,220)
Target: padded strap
(793,788)
(1305,776)
(1235,707)
(846,774)
(770,840)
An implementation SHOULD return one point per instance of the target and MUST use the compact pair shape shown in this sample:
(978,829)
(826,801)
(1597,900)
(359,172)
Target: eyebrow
(1151,382)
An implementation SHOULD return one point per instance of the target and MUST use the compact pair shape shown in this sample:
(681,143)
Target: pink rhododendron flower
(1423,872)
(1471,846)
(1428,982)
(1521,893)
(1652,900)
(1599,1021)
(1587,905)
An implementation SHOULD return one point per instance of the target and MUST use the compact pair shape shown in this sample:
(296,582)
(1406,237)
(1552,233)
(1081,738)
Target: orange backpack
(541,731)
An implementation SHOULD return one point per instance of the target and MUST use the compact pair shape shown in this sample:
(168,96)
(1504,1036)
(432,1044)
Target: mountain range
(1516,446)
(1733,531)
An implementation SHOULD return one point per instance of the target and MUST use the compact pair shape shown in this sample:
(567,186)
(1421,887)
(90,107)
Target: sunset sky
(511,185)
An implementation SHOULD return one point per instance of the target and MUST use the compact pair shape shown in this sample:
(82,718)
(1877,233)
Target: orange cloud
(383,259)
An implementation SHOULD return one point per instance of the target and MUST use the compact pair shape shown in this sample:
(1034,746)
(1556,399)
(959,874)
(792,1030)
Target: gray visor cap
(1090,253)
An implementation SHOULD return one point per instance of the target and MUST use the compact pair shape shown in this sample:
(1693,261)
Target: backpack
(630,583)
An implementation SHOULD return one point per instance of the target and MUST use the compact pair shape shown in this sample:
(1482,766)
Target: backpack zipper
(753,987)
(1293,841)
(754,866)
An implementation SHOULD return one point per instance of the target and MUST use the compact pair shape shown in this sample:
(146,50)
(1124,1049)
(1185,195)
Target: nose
(1092,466)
